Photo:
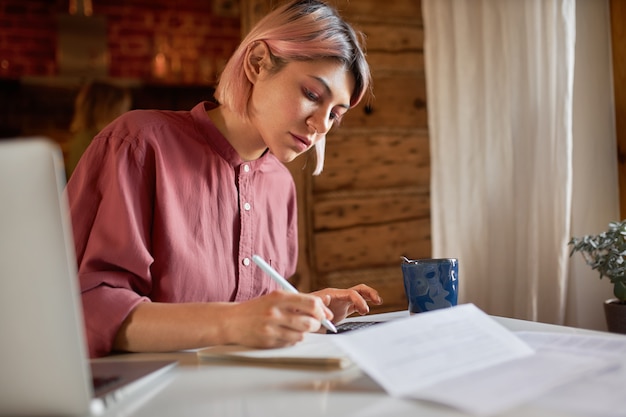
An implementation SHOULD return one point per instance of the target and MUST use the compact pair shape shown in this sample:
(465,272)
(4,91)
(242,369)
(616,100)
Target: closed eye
(311,95)
(336,118)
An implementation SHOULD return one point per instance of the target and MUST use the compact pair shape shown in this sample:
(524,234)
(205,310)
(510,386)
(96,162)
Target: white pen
(267,268)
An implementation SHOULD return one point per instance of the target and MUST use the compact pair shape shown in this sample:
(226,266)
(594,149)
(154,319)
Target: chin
(287,157)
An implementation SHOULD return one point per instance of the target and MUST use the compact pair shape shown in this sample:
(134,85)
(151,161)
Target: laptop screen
(42,346)
(43,352)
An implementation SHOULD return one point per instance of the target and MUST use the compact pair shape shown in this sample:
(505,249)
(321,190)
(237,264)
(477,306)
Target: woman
(169,207)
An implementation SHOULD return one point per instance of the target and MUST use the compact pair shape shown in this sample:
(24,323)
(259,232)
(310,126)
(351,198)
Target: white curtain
(499,85)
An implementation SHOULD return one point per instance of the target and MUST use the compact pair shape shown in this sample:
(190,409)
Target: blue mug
(430,284)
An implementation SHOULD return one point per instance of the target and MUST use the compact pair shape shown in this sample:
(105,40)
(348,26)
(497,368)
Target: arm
(111,249)
(274,320)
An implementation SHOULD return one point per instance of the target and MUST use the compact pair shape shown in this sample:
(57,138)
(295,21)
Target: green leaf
(619,290)
(606,253)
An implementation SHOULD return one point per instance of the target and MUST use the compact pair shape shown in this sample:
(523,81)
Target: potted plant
(605,253)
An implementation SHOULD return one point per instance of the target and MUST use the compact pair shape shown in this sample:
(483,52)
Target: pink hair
(300,30)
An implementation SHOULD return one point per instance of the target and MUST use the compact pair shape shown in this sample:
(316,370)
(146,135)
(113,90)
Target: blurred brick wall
(197,36)
(28,37)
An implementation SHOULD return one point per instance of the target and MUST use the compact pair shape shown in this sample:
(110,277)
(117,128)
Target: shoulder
(142,129)
(163,125)
(150,120)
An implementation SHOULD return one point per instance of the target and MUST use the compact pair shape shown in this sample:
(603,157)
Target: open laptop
(44,369)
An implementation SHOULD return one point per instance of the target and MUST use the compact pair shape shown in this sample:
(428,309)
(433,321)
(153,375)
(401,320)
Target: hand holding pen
(285,285)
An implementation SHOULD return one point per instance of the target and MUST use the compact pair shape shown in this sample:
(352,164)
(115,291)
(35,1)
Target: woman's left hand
(344,302)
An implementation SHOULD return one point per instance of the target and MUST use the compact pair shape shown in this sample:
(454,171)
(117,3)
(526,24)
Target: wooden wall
(371,204)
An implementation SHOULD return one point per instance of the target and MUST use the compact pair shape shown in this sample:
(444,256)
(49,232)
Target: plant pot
(615,313)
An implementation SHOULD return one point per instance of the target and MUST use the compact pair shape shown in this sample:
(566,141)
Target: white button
(246,206)
(246,261)
(246,168)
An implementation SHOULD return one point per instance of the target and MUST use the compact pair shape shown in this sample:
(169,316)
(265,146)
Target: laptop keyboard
(100,382)
(354,325)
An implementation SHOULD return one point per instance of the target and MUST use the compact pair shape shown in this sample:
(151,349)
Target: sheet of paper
(407,355)
(606,345)
(601,394)
(501,387)
(462,358)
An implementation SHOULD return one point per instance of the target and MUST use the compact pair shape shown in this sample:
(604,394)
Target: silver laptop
(44,369)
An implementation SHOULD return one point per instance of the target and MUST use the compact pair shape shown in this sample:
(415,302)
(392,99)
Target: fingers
(368,293)
(275,320)
(271,335)
(296,312)
(326,299)
(303,305)
(359,296)
(344,302)
(359,302)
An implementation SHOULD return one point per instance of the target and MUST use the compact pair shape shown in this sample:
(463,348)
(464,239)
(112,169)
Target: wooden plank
(390,10)
(302,179)
(370,160)
(390,62)
(403,38)
(372,245)
(387,281)
(353,11)
(399,102)
(393,51)
(341,210)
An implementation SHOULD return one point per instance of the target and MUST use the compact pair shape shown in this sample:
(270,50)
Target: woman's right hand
(275,320)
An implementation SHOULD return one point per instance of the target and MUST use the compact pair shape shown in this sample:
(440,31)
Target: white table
(206,389)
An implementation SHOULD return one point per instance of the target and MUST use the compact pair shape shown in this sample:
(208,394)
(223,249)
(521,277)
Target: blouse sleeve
(110,200)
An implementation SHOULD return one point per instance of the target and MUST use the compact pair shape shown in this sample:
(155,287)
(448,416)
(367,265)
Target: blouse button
(246,261)
(246,206)
(246,168)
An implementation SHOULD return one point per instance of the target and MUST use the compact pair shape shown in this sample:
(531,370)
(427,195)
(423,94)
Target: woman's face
(296,107)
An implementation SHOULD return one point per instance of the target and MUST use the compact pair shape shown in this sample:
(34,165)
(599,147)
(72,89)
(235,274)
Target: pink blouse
(164,209)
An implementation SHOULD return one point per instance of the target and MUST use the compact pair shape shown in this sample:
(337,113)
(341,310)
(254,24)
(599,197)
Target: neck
(240,133)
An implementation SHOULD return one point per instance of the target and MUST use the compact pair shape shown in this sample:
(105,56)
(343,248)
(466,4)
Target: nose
(320,122)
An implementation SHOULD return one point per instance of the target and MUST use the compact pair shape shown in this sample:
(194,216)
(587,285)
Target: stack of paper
(459,357)
(462,358)
(600,394)
(315,350)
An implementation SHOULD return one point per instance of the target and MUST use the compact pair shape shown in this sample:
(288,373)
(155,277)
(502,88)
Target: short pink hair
(299,30)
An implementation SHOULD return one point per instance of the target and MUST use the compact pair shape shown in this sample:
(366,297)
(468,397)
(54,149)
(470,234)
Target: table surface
(201,388)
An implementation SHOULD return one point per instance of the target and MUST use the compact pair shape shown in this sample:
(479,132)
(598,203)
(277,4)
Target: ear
(257,61)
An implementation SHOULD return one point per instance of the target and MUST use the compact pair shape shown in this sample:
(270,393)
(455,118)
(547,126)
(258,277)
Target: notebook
(316,350)
(44,367)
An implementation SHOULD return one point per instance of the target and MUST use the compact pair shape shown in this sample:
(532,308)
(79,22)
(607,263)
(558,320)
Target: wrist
(222,331)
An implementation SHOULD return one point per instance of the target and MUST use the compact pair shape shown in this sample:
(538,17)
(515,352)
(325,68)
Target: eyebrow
(328,91)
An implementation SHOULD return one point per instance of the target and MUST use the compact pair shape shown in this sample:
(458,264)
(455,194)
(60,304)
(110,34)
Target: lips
(302,140)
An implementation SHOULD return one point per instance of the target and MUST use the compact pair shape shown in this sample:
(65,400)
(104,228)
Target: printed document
(459,356)
(409,354)
(601,394)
